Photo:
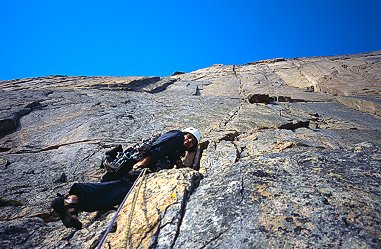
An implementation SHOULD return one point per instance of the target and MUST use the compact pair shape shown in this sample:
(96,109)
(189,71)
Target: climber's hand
(180,164)
(138,165)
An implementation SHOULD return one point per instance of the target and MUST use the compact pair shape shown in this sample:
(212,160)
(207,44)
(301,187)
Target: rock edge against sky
(290,155)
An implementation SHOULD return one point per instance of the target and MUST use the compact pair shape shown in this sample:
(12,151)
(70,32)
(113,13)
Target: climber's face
(189,140)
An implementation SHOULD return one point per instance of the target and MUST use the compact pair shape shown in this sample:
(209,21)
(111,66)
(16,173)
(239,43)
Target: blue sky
(157,38)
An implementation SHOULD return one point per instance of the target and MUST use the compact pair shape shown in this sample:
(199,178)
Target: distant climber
(162,152)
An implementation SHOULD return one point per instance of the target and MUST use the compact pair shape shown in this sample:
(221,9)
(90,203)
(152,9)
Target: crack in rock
(213,239)
(55,147)
(295,124)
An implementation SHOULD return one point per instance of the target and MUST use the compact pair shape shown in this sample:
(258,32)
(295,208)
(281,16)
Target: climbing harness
(131,213)
(132,154)
(123,158)
(141,175)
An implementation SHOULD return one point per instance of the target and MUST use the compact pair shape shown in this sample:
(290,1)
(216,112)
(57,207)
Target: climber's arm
(143,163)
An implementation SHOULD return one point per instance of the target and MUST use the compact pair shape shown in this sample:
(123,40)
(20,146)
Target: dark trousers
(109,192)
(101,195)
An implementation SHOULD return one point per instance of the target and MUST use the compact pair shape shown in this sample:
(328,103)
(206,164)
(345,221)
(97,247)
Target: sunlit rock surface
(290,155)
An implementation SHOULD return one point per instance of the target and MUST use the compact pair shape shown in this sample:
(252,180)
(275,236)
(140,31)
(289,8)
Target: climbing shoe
(58,204)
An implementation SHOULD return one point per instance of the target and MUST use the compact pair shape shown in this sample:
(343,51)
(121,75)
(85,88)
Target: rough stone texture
(157,214)
(299,171)
(315,198)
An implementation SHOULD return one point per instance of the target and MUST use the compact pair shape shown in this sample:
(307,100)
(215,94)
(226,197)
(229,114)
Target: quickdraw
(135,153)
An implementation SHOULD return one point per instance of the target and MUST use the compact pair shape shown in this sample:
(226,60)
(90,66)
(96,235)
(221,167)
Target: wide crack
(195,181)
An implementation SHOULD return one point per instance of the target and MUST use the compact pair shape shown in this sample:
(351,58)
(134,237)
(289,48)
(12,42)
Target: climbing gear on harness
(119,159)
(69,220)
(110,155)
(122,159)
(118,210)
(194,132)
(114,151)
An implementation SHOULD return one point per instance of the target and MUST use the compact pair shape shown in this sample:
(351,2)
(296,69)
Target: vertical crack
(238,152)
(182,214)
(235,113)
(241,192)
(195,181)
(242,188)
(240,86)
(240,90)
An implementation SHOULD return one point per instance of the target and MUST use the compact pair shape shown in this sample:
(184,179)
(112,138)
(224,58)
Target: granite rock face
(290,156)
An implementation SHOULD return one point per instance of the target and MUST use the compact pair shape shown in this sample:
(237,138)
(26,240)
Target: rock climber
(163,153)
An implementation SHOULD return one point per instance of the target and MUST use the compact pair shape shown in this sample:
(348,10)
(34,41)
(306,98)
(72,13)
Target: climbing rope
(142,173)
(131,213)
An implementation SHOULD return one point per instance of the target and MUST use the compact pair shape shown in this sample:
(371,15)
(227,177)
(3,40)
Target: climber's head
(191,137)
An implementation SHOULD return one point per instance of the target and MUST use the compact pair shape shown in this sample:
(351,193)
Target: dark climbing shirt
(166,150)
